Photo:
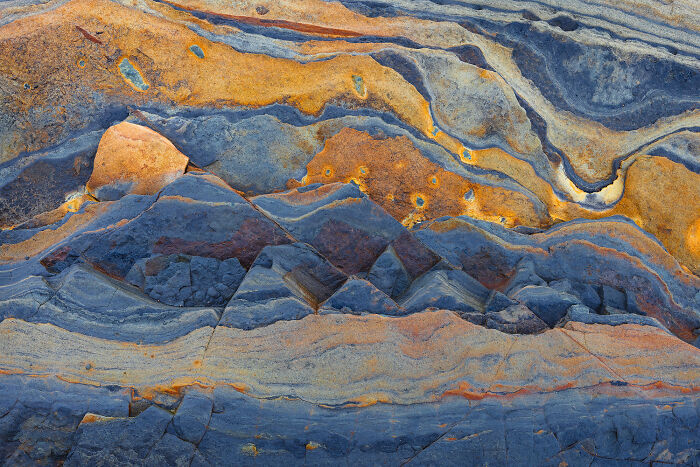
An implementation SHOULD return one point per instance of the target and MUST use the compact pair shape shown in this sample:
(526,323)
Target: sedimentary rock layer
(316,232)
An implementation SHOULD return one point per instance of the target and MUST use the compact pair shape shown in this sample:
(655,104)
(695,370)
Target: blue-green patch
(197,51)
(132,74)
(359,84)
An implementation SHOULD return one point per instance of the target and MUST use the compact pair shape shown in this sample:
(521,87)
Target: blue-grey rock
(195,215)
(263,298)
(524,275)
(235,150)
(416,258)
(358,296)
(313,276)
(338,220)
(45,412)
(244,314)
(170,450)
(449,289)
(515,319)
(388,274)
(119,441)
(576,250)
(573,426)
(22,299)
(548,304)
(192,417)
(613,298)
(583,314)
(631,303)
(42,181)
(609,310)
(184,280)
(497,301)
(585,292)
(79,305)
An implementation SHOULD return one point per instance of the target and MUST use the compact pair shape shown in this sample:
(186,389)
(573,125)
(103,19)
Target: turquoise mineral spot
(26,86)
(359,84)
(434,180)
(419,201)
(197,51)
(81,63)
(132,74)
(469,195)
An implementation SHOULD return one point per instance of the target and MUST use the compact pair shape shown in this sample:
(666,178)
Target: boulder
(133,159)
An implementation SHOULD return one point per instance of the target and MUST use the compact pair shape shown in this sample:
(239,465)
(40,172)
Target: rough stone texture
(517,319)
(187,280)
(312,232)
(548,304)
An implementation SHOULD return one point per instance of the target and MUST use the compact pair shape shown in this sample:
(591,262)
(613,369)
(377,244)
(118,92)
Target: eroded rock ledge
(313,232)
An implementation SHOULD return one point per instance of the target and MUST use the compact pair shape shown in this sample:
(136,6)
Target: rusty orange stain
(392,164)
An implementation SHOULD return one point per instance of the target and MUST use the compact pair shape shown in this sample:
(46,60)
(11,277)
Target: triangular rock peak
(359,296)
(284,232)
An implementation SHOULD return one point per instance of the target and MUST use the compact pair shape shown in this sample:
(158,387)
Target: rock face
(132,159)
(372,233)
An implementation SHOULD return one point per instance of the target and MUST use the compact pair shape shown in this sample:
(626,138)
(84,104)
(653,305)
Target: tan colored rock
(334,359)
(133,159)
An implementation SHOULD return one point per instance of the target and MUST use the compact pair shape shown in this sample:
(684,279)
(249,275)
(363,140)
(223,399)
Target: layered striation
(312,232)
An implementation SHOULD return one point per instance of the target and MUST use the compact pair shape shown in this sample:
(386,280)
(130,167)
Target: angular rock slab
(42,181)
(337,219)
(358,296)
(264,297)
(196,215)
(85,301)
(613,252)
(184,280)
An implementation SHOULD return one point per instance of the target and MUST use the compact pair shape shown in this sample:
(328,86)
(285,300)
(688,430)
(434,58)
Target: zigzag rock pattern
(316,232)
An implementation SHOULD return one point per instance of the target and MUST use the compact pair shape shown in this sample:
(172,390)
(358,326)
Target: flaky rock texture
(315,232)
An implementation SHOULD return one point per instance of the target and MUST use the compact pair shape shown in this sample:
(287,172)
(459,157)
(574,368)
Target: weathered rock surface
(375,233)
(132,159)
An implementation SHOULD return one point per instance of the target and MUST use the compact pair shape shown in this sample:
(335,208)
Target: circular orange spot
(692,238)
